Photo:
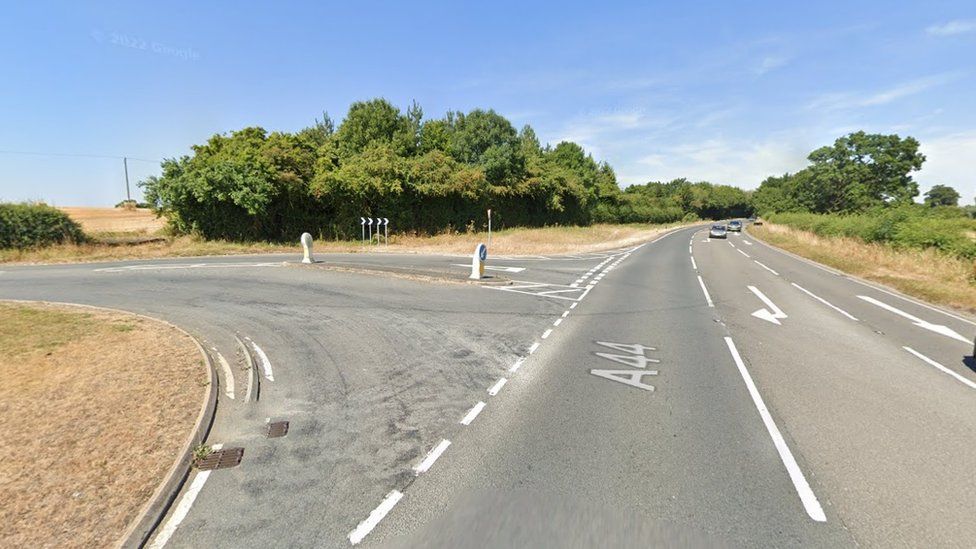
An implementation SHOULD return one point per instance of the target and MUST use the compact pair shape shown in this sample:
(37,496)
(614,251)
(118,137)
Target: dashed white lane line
(693,264)
(374,518)
(428,461)
(265,363)
(824,301)
(807,497)
(183,507)
(765,267)
(517,365)
(493,390)
(743,253)
(925,325)
(558,321)
(546,333)
(730,243)
(708,298)
(228,375)
(573,305)
(565,314)
(473,413)
(941,368)
(533,347)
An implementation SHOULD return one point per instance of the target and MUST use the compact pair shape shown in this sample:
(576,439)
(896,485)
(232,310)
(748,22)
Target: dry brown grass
(926,274)
(96,406)
(136,221)
(547,240)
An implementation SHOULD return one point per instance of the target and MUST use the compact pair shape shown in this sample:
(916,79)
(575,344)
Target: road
(685,392)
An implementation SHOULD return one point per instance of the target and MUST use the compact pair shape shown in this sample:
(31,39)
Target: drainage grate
(221,459)
(277,429)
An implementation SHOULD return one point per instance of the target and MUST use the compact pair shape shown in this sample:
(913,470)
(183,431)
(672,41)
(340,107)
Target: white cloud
(850,100)
(744,164)
(957,26)
(949,161)
(771,62)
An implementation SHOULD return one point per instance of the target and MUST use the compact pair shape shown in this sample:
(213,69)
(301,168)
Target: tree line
(425,175)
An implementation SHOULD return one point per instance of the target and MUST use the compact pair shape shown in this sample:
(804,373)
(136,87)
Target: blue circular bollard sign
(483,252)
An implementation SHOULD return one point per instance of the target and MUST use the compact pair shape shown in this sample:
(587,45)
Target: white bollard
(307,244)
(478,262)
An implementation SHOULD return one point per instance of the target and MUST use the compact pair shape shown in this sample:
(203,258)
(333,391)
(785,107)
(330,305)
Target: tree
(942,195)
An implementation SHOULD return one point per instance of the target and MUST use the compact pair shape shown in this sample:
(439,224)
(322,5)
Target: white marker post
(489,227)
(478,262)
(362,229)
(386,231)
(307,244)
(370,223)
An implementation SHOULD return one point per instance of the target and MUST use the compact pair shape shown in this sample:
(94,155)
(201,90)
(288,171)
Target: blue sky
(712,91)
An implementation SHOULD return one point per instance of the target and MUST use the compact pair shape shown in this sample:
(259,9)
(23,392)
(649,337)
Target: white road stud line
(265,363)
(743,253)
(473,413)
(517,365)
(546,333)
(937,328)
(228,375)
(708,298)
(558,321)
(807,497)
(183,507)
(967,382)
(765,267)
(493,390)
(773,314)
(693,264)
(573,305)
(534,346)
(375,516)
(824,301)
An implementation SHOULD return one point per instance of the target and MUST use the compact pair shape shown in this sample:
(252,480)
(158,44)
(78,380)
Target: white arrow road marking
(807,497)
(374,518)
(943,369)
(937,328)
(773,314)
(747,243)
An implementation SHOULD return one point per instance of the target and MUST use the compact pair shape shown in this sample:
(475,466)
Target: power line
(80,155)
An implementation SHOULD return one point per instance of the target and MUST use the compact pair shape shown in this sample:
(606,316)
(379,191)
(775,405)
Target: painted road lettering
(635,358)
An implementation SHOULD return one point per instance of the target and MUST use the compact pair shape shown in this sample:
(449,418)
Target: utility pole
(125,164)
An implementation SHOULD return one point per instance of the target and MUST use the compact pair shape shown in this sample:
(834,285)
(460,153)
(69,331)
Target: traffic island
(98,407)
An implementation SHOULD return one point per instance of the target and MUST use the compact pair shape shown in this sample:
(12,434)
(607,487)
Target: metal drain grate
(277,429)
(221,459)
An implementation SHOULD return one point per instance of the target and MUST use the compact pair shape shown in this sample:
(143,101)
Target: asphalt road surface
(685,392)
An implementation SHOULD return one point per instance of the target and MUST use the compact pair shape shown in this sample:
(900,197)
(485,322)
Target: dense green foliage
(946,229)
(424,175)
(942,195)
(35,225)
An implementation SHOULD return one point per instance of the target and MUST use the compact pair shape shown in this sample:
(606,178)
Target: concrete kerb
(408,274)
(144,524)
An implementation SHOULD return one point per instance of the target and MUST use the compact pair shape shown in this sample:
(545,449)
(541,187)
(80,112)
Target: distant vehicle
(735,226)
(717,231)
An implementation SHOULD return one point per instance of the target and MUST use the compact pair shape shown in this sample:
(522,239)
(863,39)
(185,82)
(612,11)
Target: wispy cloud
(849,100)
(771,62)
(956,26)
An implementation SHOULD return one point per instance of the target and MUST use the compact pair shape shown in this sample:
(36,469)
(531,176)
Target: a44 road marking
(634,358)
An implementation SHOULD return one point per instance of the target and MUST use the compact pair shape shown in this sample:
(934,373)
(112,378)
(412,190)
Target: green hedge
(36,225)
(945,229)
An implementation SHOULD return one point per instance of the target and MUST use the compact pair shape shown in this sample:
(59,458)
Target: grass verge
(926,274)
(96,405)
(521,241)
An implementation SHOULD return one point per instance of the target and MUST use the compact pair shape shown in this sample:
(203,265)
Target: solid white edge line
(824,301)
(375,516)
(546,333)
(228,375)
(428,461)
(183,507)
(708,298)
(493,390)
(473,413)
(807,497)
(943,369)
